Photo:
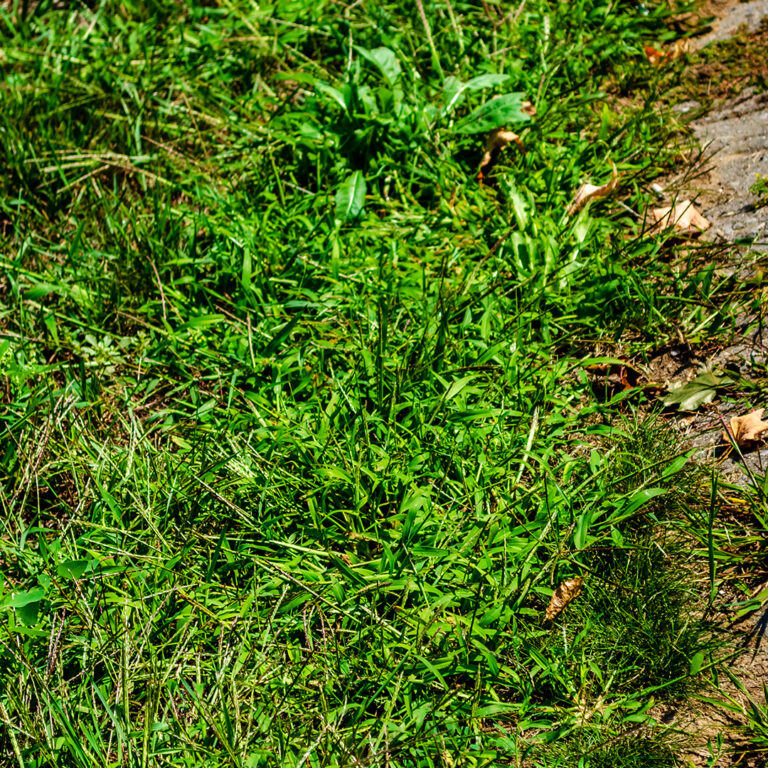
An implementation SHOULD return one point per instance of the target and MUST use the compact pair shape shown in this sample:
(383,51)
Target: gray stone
(736,139)
(685,107)
(748,14)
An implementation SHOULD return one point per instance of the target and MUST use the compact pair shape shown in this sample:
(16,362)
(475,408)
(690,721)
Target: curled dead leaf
(568,591)
(747,430)
(587,192)
(683,217)
(680,47)
(659,58)
(528,108)
(608,379)
(654,55)
(497,140)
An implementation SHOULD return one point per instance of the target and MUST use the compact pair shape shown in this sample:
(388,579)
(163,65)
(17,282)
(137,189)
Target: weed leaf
(72,569)
(689,396)
(485,81)
(334,93)
(696,663)
(350,197)
(494,114)
(21,599)
(384,59)
(641,498)
(453,88)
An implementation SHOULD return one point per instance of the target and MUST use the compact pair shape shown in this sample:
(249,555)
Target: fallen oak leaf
(587,192)
(568,591)
(500,138)
(497,140)
(747,430)
(624,374)
(682,216)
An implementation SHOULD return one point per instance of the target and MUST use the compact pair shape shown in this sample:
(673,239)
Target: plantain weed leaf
(21,599)
(502,110)
(334,94)
(453,88)
(72,569)
(350,197)
(384,59)
(486,81)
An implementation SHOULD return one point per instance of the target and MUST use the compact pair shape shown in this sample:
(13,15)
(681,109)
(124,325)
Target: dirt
(715,736)
(722,70)
(710,727)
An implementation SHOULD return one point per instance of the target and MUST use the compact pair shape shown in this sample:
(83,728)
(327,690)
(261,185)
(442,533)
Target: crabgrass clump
(641,626)
(592,748)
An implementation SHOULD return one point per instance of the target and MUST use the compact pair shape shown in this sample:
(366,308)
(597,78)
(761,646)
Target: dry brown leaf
(747,430)
(658,58)
(587,192)
(680,47)
(569,590)
(500,138)
(654,55)
(682,216)
(608,380)
(496,140)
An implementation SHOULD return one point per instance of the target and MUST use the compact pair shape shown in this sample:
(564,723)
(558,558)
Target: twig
(428,31)
(160,286)
(512,16)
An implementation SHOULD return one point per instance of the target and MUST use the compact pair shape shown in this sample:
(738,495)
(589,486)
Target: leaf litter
(746,430)
(683,217)
(500,138)
(565,593)
(496,141)
(659,58)
(587,192)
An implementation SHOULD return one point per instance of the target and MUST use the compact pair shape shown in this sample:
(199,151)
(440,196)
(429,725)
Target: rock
(748,14)
(736,139)
(685,107)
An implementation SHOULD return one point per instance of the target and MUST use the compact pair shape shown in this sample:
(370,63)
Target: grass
(298,437)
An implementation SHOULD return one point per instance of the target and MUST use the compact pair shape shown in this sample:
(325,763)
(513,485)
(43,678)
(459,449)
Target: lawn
(304,420)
